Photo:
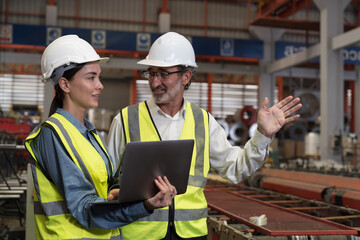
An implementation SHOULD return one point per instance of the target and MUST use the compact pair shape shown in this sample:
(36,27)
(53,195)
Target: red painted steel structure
(19,130)
(344,191)
(281,14)
(280,221)
(323,179)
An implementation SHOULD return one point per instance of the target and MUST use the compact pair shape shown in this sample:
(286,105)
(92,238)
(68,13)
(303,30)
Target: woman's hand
(164,197)
(113,194)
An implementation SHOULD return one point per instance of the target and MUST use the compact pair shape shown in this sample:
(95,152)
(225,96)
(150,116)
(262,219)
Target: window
(226,98)
(20,90)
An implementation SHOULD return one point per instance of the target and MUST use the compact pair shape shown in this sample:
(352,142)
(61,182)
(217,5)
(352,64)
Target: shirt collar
(155,109)
(82,129)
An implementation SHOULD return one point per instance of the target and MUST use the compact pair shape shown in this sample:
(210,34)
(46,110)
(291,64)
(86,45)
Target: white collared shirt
(231,162)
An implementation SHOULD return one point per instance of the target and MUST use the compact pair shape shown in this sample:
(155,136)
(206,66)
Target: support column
(51,20)
(164,18)
(331,75)
(210,80)
(267,81)
(51,14)
(357,101)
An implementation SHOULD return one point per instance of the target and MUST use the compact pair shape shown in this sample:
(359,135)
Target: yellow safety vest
(53,219)
(191,207)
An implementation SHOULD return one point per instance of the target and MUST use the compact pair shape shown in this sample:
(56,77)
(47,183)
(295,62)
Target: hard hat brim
(156,63)
(46,77)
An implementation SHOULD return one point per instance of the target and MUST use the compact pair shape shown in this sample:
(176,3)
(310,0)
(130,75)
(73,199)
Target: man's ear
(64,84)
(186,77)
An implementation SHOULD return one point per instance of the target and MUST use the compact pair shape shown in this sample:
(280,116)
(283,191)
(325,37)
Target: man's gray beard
(160,99)
(165,97)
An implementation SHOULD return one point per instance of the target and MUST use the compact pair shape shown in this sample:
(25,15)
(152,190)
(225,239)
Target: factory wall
(116,94)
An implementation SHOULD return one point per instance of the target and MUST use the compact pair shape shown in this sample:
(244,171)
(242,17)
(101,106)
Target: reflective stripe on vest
(134,134)
(53,218)
(73,149)
(48,208)
(197,181)
(51,208)
(180,215)
(139,126)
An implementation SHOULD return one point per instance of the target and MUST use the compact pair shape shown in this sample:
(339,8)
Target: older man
(168,116)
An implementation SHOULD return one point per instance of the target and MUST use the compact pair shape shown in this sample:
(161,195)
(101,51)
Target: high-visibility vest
(53,218)
(191,207)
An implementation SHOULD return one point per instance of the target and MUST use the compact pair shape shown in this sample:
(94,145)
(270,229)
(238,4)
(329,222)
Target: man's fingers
(160,184)
(172,189)
(161,181)
(292,110)
(284,102)
(167,182)
(290,119)
(265,104)
(291,104)
(163,184)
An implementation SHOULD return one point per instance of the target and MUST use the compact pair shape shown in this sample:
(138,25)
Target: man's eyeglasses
(160,75)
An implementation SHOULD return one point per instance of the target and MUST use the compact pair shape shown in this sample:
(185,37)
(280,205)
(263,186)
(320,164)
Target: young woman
(72,167)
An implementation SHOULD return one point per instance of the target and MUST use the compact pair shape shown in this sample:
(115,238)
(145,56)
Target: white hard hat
(66,50)
(170,49)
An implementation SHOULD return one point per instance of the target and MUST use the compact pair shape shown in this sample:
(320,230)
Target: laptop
(145,161)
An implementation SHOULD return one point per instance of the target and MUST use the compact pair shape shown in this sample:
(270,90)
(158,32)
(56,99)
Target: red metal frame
(205,17)
(210,79)
(314,178)
(240,208)
(312,185)
(283,9)
(19,130)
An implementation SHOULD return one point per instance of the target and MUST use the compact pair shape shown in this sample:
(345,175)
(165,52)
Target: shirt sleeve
(116,140)
(232,162)
(78,192)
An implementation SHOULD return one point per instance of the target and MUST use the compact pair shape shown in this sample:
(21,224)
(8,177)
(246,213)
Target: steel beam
(346,39)
(130,63)
(280,221)
(294,59)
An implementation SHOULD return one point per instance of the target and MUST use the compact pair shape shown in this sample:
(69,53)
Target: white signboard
(98,39)
(6,33)
(143,41)
(52,34)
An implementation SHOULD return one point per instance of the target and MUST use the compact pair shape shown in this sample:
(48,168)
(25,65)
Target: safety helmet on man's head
(63,52)
(170,49)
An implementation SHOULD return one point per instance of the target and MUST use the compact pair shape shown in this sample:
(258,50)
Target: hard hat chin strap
(59,72)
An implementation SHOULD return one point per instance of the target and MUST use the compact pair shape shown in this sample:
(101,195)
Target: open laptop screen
(145,161)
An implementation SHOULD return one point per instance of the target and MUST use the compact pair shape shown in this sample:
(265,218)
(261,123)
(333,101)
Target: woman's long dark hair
(57,102)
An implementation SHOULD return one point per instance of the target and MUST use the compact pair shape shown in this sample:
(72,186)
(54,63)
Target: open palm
(271,120)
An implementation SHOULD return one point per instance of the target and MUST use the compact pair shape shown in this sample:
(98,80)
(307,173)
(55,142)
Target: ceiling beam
(346,39)
(131,64)
(128,63)
(294,59)
(342,40)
